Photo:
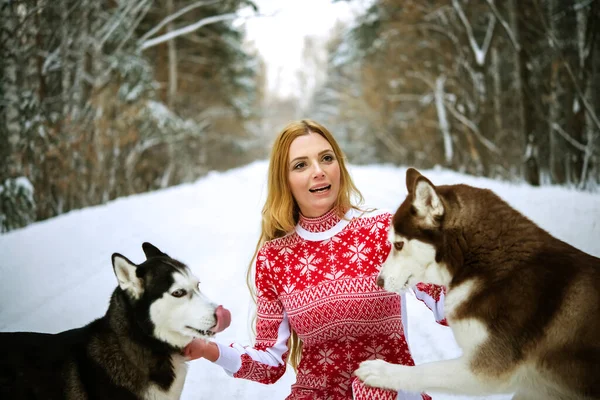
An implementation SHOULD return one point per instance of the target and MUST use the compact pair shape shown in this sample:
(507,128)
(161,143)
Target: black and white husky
(133,352)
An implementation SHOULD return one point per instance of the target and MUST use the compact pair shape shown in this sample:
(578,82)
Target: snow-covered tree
(17,206)
(503,89)
(109,98)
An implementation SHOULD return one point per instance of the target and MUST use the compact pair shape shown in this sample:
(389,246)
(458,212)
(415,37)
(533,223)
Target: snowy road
(57,274)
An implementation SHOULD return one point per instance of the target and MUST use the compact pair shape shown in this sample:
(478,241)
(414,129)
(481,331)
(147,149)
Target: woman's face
(313,174)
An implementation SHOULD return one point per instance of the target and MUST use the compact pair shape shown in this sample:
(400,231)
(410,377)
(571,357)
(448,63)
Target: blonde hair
(280,213)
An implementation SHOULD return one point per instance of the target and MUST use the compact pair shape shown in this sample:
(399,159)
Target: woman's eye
(398,245)
(179,293)
(299,165)
(328,158)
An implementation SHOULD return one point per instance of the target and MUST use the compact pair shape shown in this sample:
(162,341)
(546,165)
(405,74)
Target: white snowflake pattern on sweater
(320,281)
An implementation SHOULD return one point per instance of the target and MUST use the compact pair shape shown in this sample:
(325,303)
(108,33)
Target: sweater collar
(323,227)
(319,224)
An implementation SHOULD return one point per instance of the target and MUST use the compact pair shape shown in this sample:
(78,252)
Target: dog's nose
(380,281)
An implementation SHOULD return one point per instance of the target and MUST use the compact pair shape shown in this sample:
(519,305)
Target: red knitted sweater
(320,281)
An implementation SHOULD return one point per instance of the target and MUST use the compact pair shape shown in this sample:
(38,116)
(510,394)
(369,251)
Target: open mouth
(320,189)
(201,332)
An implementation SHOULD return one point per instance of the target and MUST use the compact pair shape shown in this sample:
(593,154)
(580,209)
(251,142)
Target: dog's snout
(223,318)
(380,281)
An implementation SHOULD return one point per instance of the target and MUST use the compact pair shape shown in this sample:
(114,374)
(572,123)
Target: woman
(318,306)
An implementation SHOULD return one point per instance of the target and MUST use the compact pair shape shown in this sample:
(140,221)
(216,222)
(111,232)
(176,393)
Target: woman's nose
(317,171)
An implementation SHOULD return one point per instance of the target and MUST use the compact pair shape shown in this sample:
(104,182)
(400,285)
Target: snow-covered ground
(57,274)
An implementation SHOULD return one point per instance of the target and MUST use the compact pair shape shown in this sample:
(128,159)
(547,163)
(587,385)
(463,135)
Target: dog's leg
(449,376)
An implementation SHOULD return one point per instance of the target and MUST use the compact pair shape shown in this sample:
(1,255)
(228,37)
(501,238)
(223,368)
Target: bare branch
(175,16)
(489,34)
(463,119)
(479,52)
(445,32)
(133,27)
(570,139)
(504,24)
(188,29)
(588,108)
(471,125)
(121,16)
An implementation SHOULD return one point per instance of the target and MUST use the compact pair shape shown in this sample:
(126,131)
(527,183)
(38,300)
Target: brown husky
(523,305)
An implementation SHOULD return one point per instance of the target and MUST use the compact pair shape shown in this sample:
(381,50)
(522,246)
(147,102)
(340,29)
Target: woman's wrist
(211,352)
(201,348)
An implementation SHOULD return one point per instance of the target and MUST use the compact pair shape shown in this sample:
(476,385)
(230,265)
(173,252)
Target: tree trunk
(556,151)
(9,119)
(523,102)
(172,88)
(443,120)
(497,93)
(64,59)
(583,42)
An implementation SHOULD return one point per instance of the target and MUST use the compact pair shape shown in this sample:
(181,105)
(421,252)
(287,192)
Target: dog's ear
(125,271)
(427,202)
(411,177)
(152,251)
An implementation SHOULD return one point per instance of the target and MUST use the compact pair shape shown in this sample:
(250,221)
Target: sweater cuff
(229,359)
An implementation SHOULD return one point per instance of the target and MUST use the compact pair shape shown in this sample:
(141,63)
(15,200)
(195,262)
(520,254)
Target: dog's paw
(379,373)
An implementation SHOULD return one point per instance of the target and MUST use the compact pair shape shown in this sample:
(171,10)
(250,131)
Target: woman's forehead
(306,145)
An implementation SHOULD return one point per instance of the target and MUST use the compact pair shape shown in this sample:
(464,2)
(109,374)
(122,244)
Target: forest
(101,99)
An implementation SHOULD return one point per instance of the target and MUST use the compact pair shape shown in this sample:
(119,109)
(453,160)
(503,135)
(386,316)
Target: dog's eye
(179,293)
(398,245)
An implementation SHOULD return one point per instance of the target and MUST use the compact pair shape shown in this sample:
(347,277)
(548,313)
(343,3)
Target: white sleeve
(230,356)
(436,305)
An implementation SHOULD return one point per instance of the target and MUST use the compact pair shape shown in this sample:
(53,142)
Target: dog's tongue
(223,319)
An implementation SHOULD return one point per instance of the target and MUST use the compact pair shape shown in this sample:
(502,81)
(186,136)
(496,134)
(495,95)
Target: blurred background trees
(105,98)
(502,89)
(99,102)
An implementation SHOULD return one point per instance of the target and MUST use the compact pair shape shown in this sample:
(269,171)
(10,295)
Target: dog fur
(133,352)
(523,306)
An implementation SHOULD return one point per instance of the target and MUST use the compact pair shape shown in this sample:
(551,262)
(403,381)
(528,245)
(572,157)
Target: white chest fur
(174,393)
(468,332)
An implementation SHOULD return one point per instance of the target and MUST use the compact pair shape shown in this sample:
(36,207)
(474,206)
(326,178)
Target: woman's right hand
(200,348)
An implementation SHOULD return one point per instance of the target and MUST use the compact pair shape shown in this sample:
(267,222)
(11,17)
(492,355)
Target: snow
(23,184)
(57,273)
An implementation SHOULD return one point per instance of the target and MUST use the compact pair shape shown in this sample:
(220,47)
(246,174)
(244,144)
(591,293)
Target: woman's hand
(200,348)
